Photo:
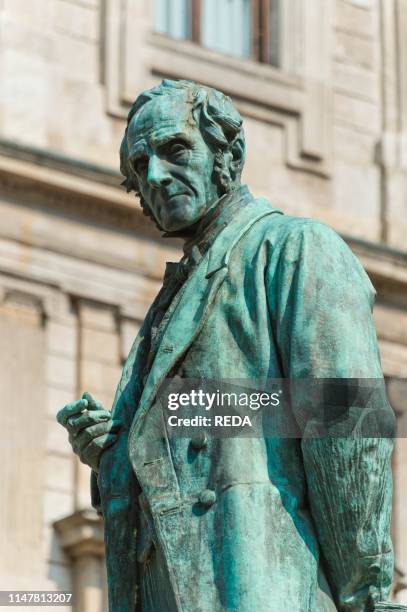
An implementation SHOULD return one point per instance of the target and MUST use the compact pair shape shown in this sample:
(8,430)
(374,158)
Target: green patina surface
(232,523)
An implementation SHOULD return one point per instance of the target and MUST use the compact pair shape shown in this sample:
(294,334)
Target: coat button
(207,498)
(199,441)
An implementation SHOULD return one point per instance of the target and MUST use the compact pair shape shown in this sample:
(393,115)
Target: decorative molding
(296,97)
(26,306)
(401,23)
(22,299)
(383,264)
(32,298)
(61,184)
(387,269)
(69,190)
(81,534)
(392,147)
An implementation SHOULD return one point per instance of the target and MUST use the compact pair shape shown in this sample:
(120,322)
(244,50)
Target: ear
(238,151)
(228,166)
(221,171)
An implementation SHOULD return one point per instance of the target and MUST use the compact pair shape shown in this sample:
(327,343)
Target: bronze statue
(294,523)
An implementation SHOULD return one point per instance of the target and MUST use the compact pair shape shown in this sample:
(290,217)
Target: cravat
(176,274)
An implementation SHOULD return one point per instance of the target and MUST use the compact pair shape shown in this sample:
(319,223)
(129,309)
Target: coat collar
(196,301)
(217,219)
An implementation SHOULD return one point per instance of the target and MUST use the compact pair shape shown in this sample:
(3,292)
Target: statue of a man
(265,524)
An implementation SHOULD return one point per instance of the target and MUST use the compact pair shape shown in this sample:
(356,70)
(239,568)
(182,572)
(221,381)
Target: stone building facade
(322,87)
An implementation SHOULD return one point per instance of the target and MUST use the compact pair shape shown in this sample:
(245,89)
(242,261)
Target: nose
(157,174)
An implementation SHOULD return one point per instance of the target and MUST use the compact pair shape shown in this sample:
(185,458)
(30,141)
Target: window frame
(293,95)
(259,32)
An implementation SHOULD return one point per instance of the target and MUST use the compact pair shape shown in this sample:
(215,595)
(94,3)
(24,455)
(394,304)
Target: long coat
(254,524)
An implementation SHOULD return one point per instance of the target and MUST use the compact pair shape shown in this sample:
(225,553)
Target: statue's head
(182,150)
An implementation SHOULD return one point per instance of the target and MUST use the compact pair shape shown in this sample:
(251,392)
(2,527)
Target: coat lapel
(196,302)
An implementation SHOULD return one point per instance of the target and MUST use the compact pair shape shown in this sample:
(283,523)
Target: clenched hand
(91,429)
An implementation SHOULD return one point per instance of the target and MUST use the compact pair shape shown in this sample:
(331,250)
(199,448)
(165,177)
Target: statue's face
(173,163)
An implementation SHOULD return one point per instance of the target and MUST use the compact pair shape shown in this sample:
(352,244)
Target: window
(241,28)
(296,40)
(173,17)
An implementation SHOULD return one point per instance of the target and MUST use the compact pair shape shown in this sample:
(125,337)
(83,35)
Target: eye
(177,149)
(140,165)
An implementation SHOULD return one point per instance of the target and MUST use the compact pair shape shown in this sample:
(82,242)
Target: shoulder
(299,244)
(277,227)
(285,231)
(288,236)
(323,261)
(302,244)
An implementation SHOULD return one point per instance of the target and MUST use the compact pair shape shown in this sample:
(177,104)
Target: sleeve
(129,388)
(321,309)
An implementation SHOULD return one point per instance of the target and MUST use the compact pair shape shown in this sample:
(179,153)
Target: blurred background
(322,88)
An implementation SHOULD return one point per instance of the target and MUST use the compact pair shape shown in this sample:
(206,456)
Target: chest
(238,337)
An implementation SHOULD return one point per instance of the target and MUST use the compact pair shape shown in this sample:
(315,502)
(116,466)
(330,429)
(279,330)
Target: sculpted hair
(220,124)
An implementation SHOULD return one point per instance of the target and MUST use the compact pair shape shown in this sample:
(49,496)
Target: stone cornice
(385,265)
(43,179)
(55,182)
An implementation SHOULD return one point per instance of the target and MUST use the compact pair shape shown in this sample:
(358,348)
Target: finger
(84,437)
(88,418)
(70,410)
(92,403)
